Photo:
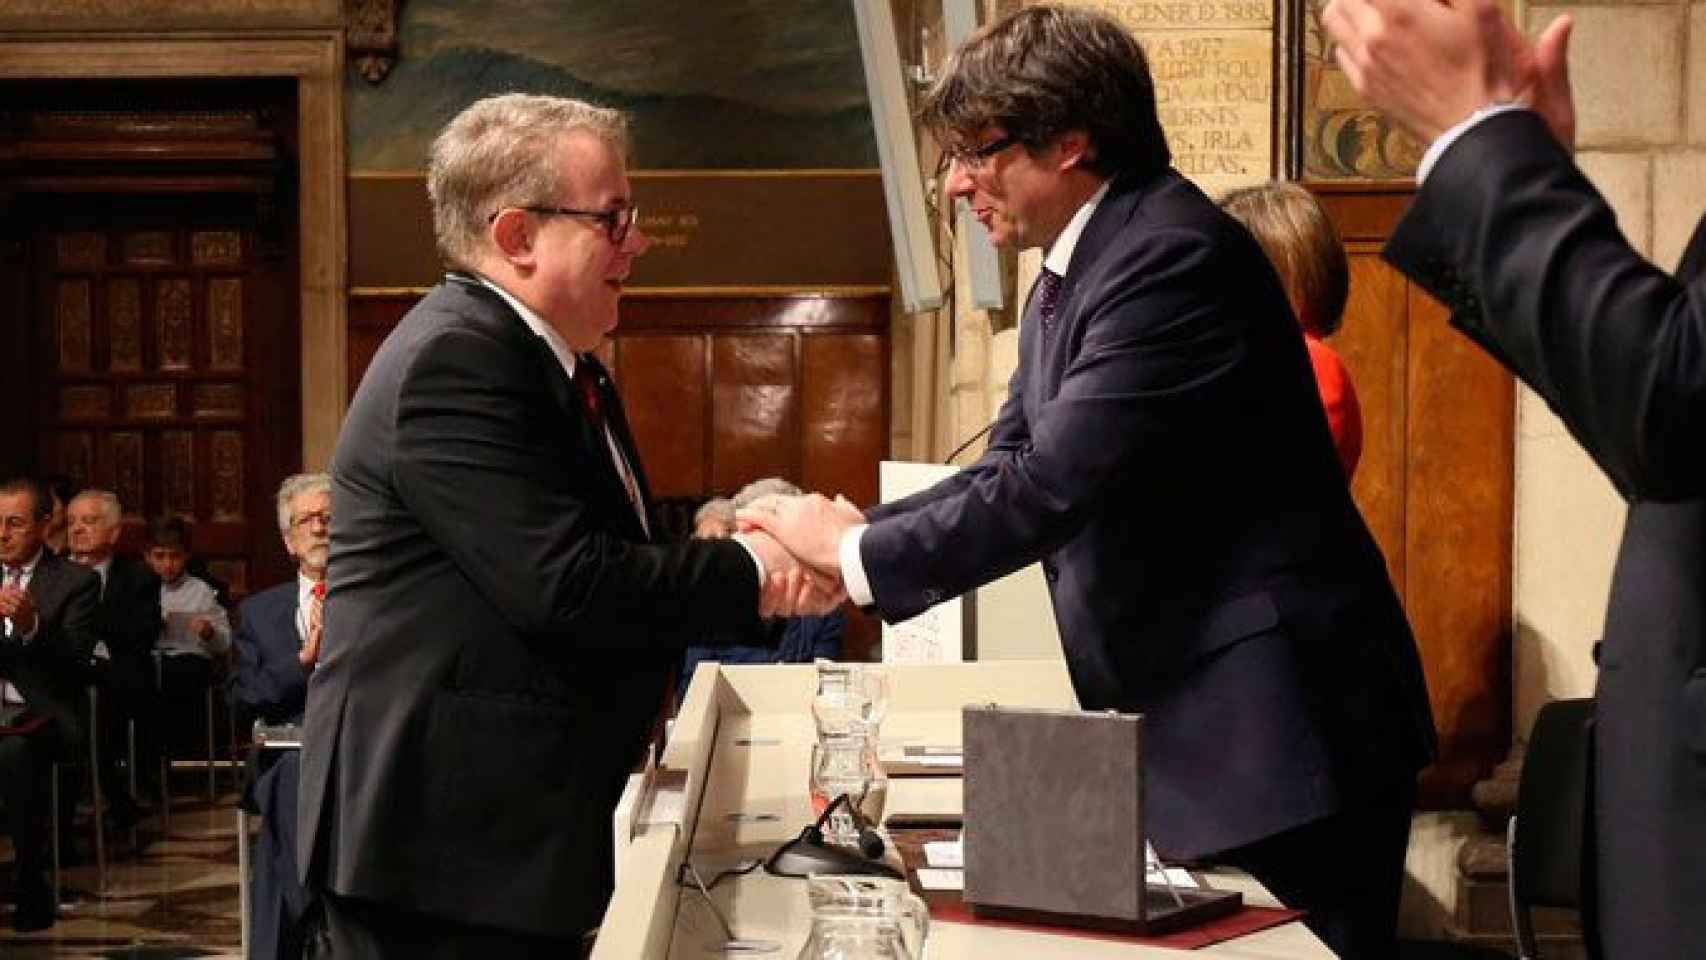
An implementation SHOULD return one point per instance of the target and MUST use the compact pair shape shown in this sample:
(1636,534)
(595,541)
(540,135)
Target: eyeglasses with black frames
(972,159)
(617,221)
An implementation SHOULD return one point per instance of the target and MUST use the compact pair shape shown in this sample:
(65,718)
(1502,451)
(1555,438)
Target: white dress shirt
(1057,260)
(1438,147)
(304,597)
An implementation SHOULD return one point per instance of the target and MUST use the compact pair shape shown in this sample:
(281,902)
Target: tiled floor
(177,899)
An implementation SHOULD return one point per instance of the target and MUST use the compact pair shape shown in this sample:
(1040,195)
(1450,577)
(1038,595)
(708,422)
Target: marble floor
(176,898)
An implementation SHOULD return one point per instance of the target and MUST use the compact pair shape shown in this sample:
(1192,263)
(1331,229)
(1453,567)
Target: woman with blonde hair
(1300,241)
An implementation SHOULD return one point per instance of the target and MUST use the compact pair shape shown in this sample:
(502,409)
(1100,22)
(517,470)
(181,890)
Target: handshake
(798,540)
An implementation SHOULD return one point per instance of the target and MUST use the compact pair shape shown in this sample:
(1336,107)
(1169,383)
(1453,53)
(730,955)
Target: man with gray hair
(128,623)
(501,634)
(277,645)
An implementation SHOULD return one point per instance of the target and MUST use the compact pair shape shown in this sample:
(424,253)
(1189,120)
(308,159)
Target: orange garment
(1339,399)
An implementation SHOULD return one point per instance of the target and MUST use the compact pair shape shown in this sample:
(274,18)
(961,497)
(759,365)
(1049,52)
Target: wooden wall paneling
(844,415)
(372,317)
(1373,343)
(665,395)
(1458,544)
(754,397)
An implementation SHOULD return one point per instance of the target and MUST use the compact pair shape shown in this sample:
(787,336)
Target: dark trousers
(184,679)
(127,692)
(278,917)
(352,929)
(25,766)
(1346,870)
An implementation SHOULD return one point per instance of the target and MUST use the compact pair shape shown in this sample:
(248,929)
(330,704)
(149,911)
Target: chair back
(1551,841)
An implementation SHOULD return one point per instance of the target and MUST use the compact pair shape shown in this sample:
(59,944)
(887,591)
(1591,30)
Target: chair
(165,756)
(1550,838)
(99,811)
(264,737)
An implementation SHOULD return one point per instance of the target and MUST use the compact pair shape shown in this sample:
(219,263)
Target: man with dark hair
(47,613)
(1164,455)
(59,489)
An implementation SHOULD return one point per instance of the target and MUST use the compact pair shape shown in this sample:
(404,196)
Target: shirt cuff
(853,566)
(757,561)
(1446,139)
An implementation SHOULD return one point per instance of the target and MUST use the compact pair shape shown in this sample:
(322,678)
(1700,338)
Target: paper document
(945,853)
(934,879)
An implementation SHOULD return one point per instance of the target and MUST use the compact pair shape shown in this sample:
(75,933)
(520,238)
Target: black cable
(973,439)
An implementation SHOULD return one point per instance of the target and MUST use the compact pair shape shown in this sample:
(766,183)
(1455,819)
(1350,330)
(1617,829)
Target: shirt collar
(552,338)
(28,570)
(1060,252)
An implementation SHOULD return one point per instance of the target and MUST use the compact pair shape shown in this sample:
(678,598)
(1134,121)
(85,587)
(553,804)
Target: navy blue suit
(1163,452)
(271,684)
(1509,234)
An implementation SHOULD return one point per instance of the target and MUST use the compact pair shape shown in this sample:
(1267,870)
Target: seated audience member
(781,639)
(196,638)
(1295,233)
(60,489)
(47,616)
(278,644)
(128,623)
(715,519)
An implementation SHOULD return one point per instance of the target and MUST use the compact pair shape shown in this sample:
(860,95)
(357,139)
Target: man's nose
(957,182)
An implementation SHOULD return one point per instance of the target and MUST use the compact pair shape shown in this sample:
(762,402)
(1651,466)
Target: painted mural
(1343,138)
(706,84)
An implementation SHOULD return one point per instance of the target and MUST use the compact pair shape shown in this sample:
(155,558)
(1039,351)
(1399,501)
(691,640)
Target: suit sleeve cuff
(757,561)
(1438,148)
(853,566)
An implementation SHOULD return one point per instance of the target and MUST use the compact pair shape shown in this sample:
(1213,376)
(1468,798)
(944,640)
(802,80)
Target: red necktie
(319,590)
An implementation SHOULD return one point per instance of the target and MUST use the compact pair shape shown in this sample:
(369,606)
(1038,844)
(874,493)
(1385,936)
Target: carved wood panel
(167,366)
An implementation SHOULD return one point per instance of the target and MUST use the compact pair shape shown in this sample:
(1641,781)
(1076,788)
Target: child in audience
(197,630)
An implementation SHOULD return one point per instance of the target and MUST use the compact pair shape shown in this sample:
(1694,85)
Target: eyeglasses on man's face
(617,221)
(972,159)
(307,519)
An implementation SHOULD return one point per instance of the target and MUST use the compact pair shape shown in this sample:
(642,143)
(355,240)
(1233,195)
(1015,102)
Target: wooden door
(1436,485)
(166,361)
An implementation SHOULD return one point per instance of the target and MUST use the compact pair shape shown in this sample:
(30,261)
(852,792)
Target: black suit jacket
(53,668)
(1164,453)
(1510,235)
(269,679)
(128,617)
(499,636)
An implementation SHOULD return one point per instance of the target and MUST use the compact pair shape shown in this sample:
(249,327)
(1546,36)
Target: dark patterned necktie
(1048,297)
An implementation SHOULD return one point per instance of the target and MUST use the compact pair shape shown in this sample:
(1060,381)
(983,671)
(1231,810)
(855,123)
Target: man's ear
(1073,148)
(512,234)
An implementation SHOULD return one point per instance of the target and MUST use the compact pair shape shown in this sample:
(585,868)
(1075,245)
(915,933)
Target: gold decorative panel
(151,400)
(148,247)
(216,248)
(84,403)
(227,457)
(174,325)
(77,457)
(124,323)
(225,322)
(83,250)
(127,470)
(217,400)
(177,473)
(75,334)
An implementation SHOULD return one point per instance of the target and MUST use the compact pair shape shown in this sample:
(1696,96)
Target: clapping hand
(16,605)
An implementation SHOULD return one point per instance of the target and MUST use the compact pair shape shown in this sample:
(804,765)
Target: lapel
(284,622)
(1053,354)
(617,418)
(47,585)
(566,399)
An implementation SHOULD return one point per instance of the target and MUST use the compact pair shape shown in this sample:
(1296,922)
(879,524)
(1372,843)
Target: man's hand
(1549,95)
(309,655)
(1431,64)
(790,589)
(15,604)
(810,527)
